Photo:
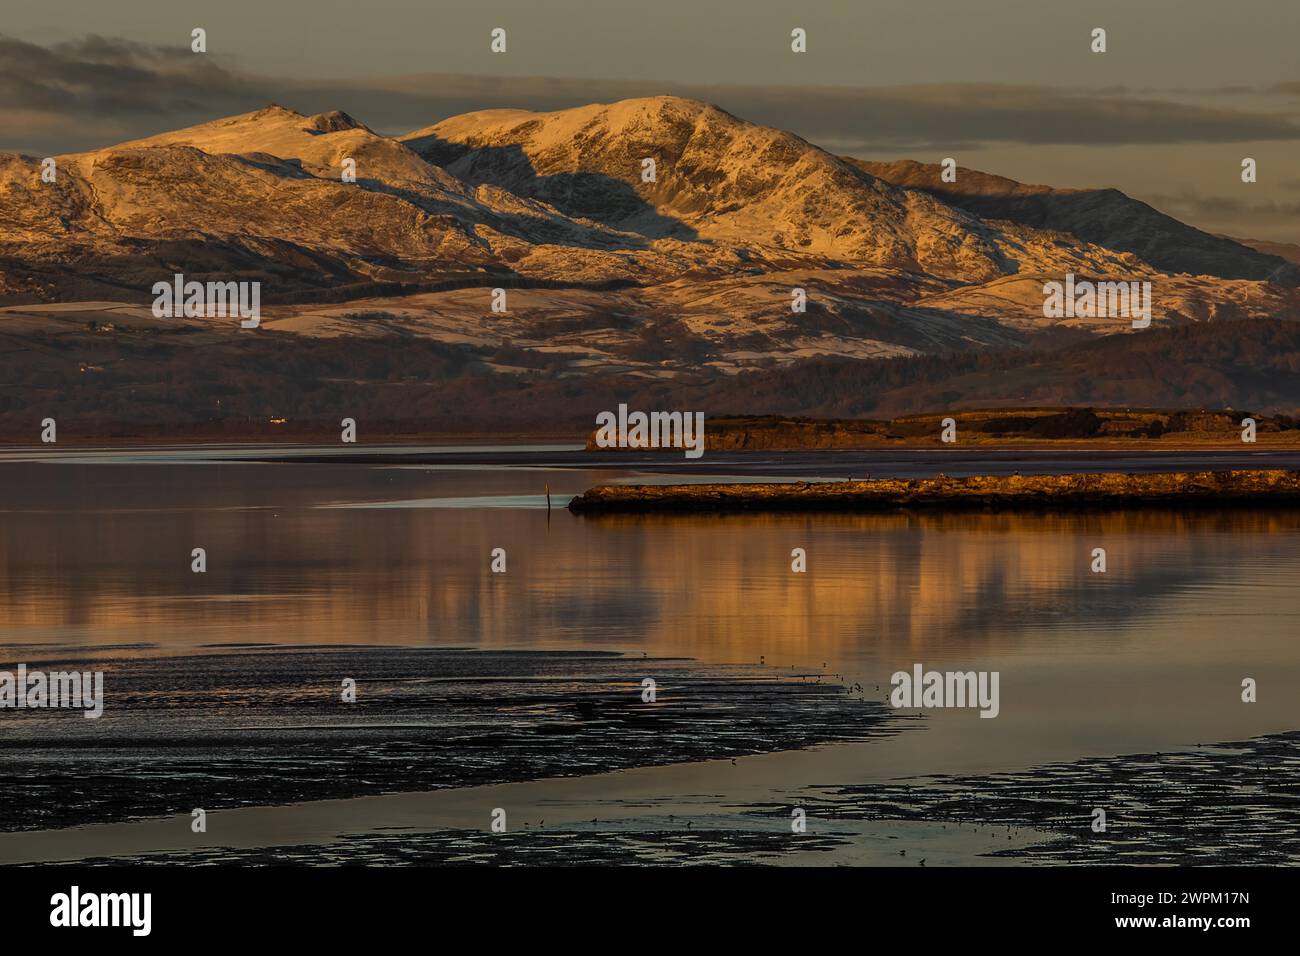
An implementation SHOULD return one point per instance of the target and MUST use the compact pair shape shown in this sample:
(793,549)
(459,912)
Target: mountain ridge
(1107,217)
(692,269)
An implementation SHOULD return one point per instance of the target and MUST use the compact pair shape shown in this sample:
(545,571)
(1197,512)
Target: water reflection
(100,555)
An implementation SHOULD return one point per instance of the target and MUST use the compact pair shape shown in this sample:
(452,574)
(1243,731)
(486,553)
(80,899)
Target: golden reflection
(719,588)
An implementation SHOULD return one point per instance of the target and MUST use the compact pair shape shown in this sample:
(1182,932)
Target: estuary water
(363,549)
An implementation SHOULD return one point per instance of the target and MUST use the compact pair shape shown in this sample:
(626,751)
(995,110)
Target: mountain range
(656,239)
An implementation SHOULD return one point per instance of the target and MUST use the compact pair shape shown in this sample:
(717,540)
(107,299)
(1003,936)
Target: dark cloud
(71,95)
(98,75)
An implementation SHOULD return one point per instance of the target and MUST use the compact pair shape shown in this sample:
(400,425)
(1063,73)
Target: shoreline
(1036,814)
(107,441)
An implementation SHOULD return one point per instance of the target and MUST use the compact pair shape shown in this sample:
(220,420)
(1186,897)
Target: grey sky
(1160,44)
(1185,90)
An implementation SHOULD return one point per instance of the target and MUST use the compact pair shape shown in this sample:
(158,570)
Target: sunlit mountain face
(648,244)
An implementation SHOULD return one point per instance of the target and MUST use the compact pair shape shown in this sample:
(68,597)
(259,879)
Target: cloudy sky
(1186,89)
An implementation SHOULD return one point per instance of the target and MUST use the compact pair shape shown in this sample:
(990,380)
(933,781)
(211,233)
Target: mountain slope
(717,178)
(129,216)
(319,143)
(692,268)
(1289,251)
(1254,364)
(261,196)
(1105,217)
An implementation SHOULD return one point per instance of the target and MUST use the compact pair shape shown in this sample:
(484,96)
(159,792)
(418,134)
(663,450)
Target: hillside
(1106,217)
(681,287)
(106,381)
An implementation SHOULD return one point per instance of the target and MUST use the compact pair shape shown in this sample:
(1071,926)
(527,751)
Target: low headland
(1212,489)
(1026,428)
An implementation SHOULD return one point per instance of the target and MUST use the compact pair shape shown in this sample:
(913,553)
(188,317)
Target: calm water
(95,551)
